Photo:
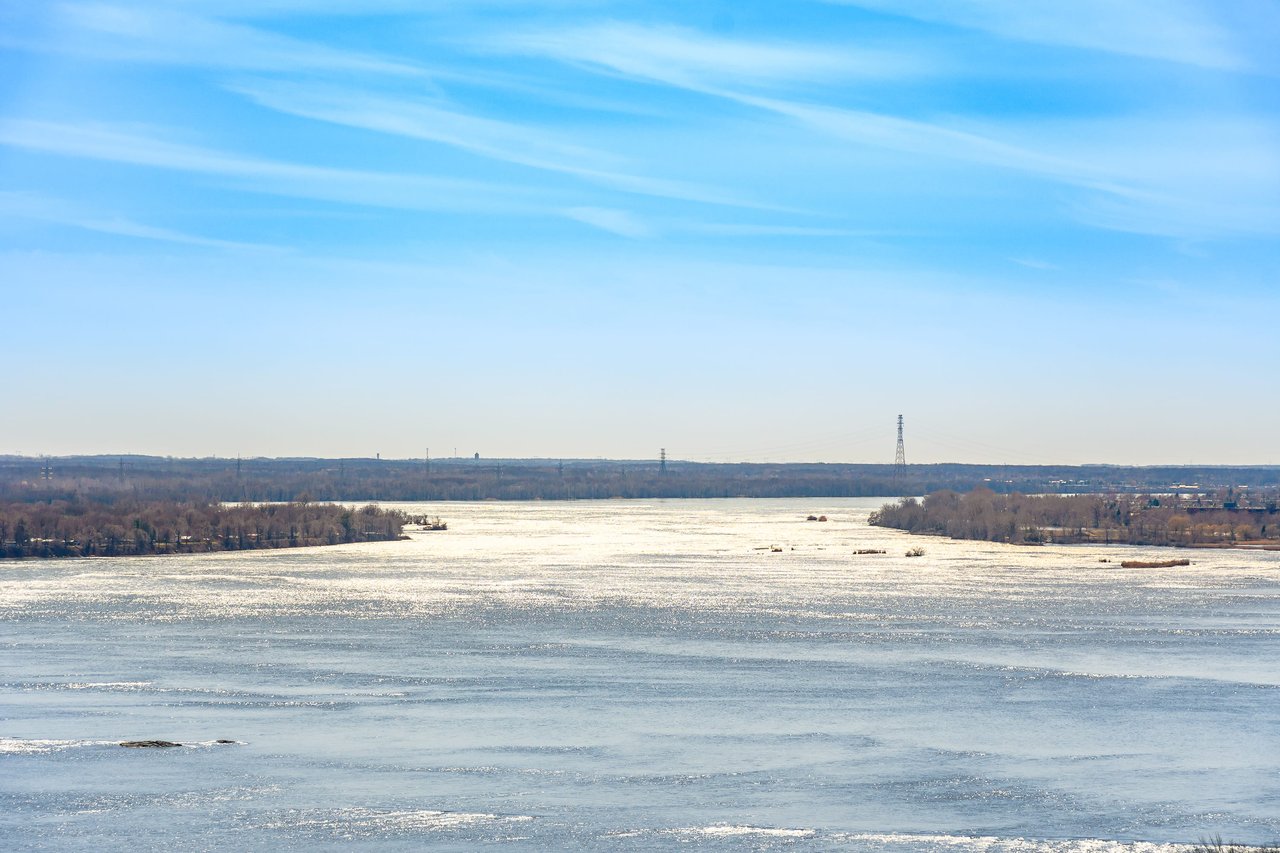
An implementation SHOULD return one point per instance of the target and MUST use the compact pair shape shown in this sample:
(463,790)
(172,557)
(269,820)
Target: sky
(739,231)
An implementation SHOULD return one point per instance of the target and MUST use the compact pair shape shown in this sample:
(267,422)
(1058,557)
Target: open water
(642,676)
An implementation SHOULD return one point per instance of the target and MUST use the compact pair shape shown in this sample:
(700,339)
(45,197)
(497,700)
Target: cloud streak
(1182,31)
(619,222)
(165,35)
(498,140)
(693,60)
(378,189)
(1135,173)
(40,208)
(711,66)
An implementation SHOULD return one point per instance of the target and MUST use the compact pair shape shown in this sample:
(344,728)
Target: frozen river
(642,675)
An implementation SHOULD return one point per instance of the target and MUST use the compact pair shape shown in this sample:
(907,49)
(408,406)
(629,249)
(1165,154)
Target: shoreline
(1196,546)
(161,527)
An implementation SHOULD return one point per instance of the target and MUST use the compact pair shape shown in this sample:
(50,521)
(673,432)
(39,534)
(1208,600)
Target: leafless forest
(1225,518)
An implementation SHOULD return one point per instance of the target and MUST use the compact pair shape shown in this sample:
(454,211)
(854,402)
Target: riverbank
(89,528)
(1227,520)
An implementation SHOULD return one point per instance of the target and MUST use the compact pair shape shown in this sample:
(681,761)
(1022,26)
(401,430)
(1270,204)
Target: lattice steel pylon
(900,456)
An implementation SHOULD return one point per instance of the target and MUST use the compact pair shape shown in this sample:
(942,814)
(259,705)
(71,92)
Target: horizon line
(619,460)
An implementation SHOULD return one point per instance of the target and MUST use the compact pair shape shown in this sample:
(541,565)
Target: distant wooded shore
(127,527)
(1225,519)
(359,480)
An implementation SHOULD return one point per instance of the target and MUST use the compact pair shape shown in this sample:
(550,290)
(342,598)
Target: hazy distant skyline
(1044,233)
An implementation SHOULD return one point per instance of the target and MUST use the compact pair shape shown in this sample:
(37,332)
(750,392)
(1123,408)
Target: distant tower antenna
(662,461)
(900,455)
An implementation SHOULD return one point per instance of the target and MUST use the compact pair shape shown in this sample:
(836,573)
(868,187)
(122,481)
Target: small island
(1224,520)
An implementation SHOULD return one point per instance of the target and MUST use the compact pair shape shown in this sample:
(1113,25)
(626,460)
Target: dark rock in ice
(224,740)
(148,744)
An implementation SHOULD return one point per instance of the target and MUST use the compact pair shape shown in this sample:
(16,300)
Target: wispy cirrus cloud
(172,36)
(1183,216)
(716,67)
(1034,264)
(43,208)
(619,222)
(380,189)
(319,8)
(374,189)
(1189,176)
(691,59)
(1181,175)
(912,136)
(509,142)
(420,118)
(756,229)
(1186,31)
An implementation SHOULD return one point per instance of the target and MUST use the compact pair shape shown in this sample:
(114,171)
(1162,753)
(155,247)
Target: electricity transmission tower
(662,461)
(900,456)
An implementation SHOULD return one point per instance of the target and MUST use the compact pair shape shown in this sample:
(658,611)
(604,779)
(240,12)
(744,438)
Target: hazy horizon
(742,232)
(635,460)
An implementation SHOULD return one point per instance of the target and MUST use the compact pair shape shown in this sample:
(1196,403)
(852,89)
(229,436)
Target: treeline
(148,477)
(448,480)
(1224,519)
(84,528)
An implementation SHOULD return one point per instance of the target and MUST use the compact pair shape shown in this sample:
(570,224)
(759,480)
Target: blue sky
(1043,232)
